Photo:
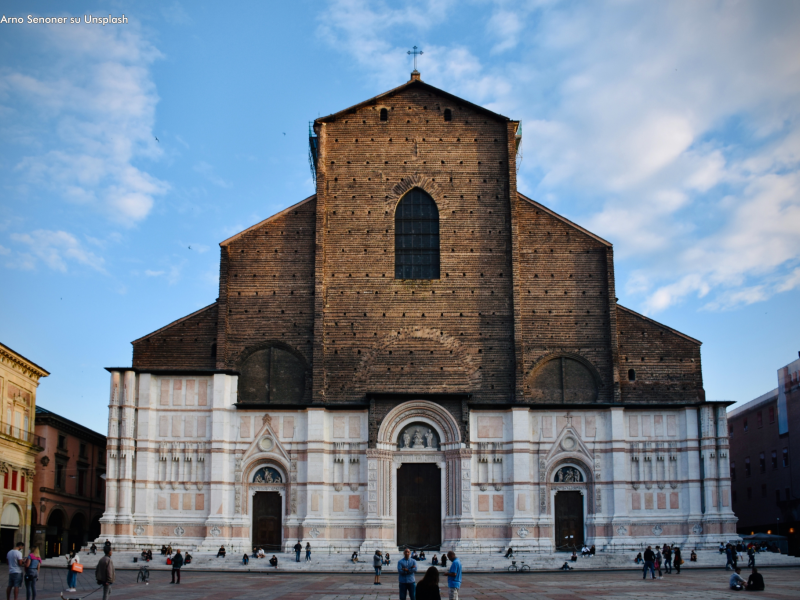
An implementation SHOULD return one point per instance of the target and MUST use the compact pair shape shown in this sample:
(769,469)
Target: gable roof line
(654,322)
(197,312)
(554,214)
(260,223)
(408,84)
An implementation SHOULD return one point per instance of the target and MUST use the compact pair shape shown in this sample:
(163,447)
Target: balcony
(22,435)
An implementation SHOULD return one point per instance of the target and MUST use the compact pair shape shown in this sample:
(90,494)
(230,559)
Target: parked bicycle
(144,575)
(522,568)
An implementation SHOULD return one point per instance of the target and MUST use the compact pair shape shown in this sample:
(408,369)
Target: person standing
(72,574)
(677,560)
(15,565)
(104,572)
(406,567)
(428,588)
(658,562)
(308,551)
(666,551)
(32,564)
(751,557)
(297,549)
(454,576)
(177,563)
(377,563)
(649,563)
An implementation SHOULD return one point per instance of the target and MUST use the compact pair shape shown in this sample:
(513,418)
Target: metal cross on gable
(415,53)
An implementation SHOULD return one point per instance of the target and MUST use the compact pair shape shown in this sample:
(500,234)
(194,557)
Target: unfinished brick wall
(519,284)
(564,299)
(666,362)
(267,287)
(447,335)
(186,343)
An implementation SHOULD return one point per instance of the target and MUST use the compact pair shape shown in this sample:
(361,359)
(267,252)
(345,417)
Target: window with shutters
(416,237)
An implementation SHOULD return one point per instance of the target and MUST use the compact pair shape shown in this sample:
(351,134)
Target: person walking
(377,563)
(177,563)
(649,563)
(15,567)
(677,560)
(428,588)
(729,558)
(32,564)
(454,575)
(406,567)
(297,549)
(104,572)
(751,557)
(308,551)
(72,574)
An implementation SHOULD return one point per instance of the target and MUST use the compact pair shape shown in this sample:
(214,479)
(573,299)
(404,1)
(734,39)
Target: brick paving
(705,584)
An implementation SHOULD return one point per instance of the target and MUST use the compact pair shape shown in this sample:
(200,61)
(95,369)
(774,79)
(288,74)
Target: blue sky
(670,129)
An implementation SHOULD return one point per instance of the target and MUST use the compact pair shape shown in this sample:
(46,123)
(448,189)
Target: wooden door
(569,521)
(267,520)
(419,506)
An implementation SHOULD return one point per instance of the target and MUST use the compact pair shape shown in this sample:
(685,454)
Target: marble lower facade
(188,467)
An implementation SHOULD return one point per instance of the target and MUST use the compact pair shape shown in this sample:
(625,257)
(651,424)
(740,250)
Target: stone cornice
(28,367)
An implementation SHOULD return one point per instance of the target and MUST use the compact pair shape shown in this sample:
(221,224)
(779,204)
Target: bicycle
(143,576)
(522,568)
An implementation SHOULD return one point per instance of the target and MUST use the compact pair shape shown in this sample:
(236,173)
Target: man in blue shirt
(406,567)
(454,576)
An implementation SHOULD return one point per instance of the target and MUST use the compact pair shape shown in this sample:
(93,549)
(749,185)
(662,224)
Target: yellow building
(19,378)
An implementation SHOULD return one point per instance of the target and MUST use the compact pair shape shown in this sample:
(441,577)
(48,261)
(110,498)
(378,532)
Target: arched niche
(564,379)
(272,373)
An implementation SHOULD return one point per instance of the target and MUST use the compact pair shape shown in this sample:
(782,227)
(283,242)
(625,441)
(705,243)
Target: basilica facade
(415,355)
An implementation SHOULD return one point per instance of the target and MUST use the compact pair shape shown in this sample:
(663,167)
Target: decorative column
(459,524)
(108,520)
(522,523)
(379,523)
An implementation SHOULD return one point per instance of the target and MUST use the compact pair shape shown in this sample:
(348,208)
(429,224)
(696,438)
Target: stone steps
(340,563)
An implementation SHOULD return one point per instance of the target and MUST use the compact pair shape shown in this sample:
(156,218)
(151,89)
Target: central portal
(419,506)
(267,520)
(569,521)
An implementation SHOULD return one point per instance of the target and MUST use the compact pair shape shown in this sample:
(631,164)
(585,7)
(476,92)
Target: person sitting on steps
(221,552)
(274,561)
(509,552)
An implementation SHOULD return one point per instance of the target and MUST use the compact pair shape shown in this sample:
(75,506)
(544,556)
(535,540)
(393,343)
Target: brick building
(19,378)
(69,489)
(416,354)
(764,459)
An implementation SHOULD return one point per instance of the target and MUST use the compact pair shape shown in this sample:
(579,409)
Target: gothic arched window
(384,114)
(416,237)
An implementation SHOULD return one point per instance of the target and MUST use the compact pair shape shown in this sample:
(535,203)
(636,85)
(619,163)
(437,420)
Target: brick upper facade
(519,285)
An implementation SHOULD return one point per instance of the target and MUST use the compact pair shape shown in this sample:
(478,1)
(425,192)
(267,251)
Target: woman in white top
(72,574)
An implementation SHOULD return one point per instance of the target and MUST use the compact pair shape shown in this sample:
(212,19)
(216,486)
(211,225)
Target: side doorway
(569,521)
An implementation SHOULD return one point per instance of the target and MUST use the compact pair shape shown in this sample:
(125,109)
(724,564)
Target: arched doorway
(266,509)
(9,528)
(568,508)
(77,532)
(415,478)
(53,544)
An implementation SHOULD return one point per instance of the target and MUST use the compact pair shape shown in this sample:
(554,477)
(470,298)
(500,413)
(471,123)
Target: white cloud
(672,130)
(4,251)
(83,115)
(207,171)
(56,249)
(172,273)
